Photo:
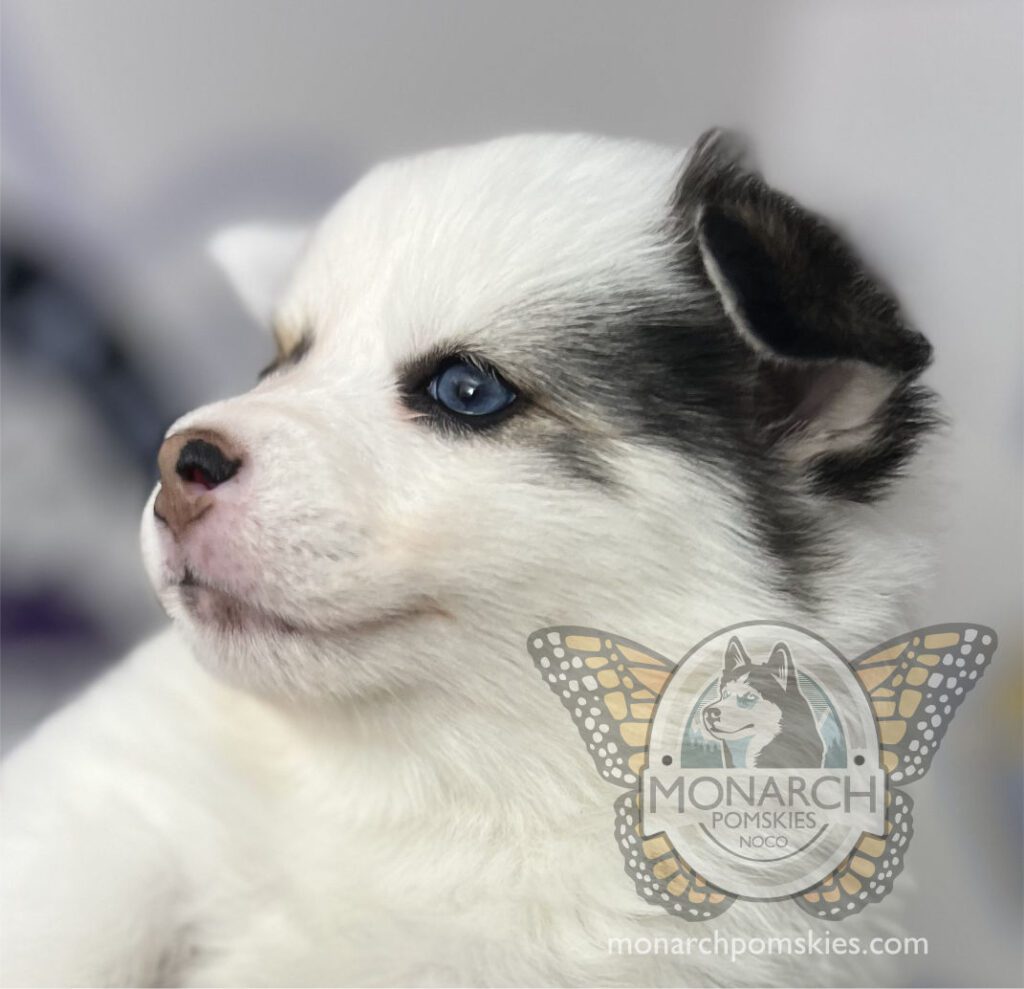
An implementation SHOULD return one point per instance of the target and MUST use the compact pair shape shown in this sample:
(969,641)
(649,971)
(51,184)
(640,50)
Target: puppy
(540,380)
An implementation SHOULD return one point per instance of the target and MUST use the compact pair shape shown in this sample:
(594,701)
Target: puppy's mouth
(215,607)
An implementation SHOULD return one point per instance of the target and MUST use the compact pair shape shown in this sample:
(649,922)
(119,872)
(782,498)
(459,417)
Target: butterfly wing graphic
(610,687)
(915,683)
(869,871)
(660,875)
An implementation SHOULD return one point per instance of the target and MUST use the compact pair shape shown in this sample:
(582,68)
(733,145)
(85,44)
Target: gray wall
(131,129)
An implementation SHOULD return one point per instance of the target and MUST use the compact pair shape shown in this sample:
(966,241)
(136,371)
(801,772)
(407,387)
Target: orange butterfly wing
(661,876)
(915,683)
(869,871)
(609,686)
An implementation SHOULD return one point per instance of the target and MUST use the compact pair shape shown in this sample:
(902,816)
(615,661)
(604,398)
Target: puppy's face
(521,383)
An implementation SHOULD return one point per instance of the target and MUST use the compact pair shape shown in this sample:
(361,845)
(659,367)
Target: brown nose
(192,464)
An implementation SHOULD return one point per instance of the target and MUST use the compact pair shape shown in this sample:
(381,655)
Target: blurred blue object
(54,333)
(48,323)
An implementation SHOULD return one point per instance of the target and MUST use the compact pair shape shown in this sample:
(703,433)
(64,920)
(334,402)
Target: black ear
(835,360)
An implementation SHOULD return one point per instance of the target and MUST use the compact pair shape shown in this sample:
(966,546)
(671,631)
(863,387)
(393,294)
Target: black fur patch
(804,302)
(717,371)
(656,371)
(800,286)
(662,372)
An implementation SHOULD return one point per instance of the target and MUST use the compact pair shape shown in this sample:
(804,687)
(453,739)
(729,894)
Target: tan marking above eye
(287,337)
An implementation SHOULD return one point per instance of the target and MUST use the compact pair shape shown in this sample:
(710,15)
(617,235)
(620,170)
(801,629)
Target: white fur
(390,795)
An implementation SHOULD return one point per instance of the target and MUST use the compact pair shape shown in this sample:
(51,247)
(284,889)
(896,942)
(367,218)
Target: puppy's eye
(747,700)
(470,391)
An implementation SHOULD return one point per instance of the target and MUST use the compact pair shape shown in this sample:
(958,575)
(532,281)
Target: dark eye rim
(418,397)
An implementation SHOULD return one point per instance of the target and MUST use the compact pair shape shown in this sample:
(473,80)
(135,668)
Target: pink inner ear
(823,385)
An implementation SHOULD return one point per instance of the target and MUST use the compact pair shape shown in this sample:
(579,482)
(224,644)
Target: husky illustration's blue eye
(471,391)
(746,701)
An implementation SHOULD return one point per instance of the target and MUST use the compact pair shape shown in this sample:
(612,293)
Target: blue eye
(747,701)
(471,391)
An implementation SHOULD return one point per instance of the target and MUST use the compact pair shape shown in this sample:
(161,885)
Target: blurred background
(131,130)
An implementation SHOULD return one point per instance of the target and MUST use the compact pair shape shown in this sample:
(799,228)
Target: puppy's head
(542,379)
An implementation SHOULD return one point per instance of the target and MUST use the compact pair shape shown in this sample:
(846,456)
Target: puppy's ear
(834,359)
(258,259)
(735,657)
(780,665)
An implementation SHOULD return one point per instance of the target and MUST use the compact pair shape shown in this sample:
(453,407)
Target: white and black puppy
(538,381)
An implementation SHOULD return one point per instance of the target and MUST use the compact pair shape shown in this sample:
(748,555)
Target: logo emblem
(763,765)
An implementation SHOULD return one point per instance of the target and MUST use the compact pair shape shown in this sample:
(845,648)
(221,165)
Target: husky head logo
(777,816)
(761,703)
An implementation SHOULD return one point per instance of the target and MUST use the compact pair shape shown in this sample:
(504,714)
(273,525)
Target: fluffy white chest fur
(544,380)
(168,830)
